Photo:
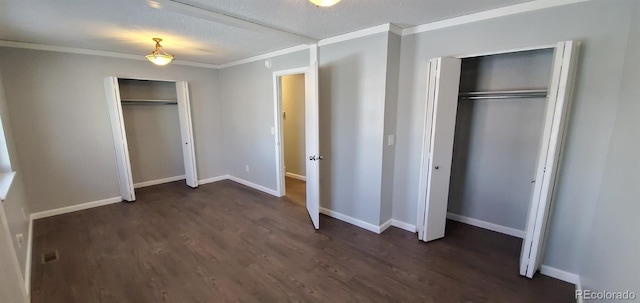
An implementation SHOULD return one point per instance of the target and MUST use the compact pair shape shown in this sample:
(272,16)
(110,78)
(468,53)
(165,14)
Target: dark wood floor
(223,242)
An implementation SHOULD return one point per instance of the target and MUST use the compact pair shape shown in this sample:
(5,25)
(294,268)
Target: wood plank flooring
(224,242)
(296,190)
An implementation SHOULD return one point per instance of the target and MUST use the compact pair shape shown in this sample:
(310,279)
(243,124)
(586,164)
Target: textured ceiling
(127,26)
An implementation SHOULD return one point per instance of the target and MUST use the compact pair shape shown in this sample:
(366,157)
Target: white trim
(384,226)
(73,208)
(214,179)
(507,51)
(395,29)
(295,176)
(350,220)
(278,130)
(27,262)
(403,225)
(579,299)
(158,181)
(487,225)
(383,28)
(560,274)
(6,179)
(490,14)
(93,52)
(254,186)
(265,56)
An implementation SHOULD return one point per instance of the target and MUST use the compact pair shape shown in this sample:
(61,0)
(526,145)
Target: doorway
(296,121)
(445,97)
(293,136)
(156,115)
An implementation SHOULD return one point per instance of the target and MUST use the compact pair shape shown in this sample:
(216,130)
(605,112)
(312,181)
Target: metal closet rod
(505,94)
(124,102)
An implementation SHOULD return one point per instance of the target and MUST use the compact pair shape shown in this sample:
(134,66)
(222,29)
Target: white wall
(603,29)
(352,108)
(293,124)
(613,246)
(61,125)
(248,109)
(497,140)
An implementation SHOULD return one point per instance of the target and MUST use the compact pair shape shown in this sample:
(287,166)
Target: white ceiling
(193,32)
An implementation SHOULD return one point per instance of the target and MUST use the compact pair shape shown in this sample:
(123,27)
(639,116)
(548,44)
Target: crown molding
(266,56)
(383,28)
(92,52)
(490,14)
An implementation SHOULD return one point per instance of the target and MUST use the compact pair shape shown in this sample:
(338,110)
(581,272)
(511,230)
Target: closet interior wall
(153,129)
(497,141)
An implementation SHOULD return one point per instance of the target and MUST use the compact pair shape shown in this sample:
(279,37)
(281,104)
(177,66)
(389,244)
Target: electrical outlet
(246,168)
(20,239)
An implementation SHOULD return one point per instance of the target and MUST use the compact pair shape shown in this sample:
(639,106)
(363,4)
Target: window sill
(6,179)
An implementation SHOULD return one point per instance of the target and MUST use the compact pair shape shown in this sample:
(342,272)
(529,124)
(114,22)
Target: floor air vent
(49,257)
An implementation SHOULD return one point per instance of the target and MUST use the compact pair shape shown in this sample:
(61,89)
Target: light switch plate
(391,140)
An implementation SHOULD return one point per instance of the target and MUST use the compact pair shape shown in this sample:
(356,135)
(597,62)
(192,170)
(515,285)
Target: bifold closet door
(125,178)
(564,65)
(312,139)
(443,78)
(186,133)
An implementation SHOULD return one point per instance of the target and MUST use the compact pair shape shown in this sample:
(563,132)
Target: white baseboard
(560,274)
(214,179)
(159,181)
(296,176)
(69,209)
(385,225)
(350,220)
(27,265)
(403,225)
(254,186)
(487,225)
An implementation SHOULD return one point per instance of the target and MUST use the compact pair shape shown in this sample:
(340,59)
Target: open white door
(125,179)
(186,132)
(443,78)
(312,136)
(564,63)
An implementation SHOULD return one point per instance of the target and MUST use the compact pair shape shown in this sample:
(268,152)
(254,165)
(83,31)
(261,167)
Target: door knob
(314,158)
(437,167)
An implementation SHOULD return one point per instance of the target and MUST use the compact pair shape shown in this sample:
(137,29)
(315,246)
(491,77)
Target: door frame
(549,154)
(123,161)
(278,129)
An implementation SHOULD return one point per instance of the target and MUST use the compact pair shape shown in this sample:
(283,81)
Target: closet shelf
(505,94)
(148,101)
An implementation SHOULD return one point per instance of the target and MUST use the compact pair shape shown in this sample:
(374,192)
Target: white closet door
(125,178)
(564,63)
(186,132)
(440,119)
(312,136)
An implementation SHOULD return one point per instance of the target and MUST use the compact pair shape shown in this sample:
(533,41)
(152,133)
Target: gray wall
(497,140)
(153,130)
(613,246)
(390,120)
(352,108)
(15,207)
(247,94)
(603,29)
(293,124)
(61,124)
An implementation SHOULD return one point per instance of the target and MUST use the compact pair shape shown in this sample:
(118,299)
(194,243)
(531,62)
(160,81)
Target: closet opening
(494,129)
(152,133)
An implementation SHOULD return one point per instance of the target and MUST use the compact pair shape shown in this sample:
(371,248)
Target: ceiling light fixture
(324,3)
(159,56)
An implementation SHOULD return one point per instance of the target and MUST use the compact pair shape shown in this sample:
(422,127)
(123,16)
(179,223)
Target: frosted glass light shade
(158,59)
(324,3)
